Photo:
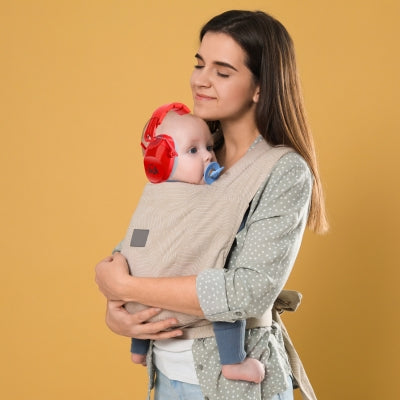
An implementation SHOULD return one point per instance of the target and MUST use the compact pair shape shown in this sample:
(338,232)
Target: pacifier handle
(212,172)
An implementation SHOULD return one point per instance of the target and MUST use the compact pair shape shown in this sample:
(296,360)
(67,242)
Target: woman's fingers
(166,335)
(135,325)
(155,330)
(111,276)
(145,315)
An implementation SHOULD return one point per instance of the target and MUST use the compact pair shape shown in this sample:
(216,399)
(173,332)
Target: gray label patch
(139,237)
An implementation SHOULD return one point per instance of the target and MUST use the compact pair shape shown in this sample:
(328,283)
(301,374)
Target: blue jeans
(167,389)
(288,395)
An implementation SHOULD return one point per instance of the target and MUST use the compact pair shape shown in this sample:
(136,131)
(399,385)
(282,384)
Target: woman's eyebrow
(220,63)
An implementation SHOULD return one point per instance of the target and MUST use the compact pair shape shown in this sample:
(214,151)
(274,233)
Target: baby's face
(193,143)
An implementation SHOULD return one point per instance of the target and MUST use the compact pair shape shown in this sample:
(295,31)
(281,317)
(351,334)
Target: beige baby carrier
(181,229)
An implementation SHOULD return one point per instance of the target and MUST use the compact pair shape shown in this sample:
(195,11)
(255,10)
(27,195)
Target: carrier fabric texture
(180,229)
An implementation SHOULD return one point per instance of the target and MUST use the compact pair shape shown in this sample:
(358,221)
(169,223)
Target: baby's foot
(250,370)
(138,358)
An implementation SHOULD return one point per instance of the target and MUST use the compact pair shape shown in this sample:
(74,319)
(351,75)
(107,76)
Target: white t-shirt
(174,358)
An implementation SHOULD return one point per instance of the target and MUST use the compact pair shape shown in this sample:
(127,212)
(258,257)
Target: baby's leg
(139,350)
(235,364)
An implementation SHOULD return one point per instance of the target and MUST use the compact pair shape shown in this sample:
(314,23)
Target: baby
(179,147)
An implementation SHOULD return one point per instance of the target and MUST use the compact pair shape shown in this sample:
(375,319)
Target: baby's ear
(143,143)
(143,146)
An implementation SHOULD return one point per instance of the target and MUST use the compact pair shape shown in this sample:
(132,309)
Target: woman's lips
(203,97)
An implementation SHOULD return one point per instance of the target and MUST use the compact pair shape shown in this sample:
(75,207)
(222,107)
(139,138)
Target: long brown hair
(280,114)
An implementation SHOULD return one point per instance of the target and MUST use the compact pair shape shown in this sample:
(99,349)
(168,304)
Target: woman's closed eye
(218,73)
(222,75)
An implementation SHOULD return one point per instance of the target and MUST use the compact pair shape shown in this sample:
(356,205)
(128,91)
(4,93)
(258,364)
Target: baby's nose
(207,155)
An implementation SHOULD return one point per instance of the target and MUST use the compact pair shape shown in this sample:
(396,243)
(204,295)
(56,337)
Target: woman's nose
(200,78)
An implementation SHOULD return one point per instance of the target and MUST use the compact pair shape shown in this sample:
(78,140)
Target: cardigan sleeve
(265,250)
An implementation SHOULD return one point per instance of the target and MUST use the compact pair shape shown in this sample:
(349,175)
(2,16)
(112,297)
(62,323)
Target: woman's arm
(135,325)
(265,249)
(176,294)
(261,266)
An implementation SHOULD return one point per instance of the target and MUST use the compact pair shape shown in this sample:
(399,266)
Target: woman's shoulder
(290,169)
(290,175)
(289,162)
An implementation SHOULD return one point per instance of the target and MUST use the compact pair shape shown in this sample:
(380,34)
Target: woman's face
(222,85)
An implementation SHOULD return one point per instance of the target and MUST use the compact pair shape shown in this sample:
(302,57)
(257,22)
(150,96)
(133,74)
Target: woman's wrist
(128,289)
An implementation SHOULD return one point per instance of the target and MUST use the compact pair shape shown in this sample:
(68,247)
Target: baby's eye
(210,148)
(193,150)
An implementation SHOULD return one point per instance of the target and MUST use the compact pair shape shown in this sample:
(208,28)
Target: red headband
(158,116)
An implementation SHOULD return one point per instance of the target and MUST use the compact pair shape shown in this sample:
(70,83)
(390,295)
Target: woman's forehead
(219,48)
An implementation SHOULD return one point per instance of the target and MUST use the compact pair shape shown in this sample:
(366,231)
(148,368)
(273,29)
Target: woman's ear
(256,94)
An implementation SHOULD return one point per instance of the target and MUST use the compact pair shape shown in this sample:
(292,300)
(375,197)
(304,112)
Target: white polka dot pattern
(259,266)
(260,262)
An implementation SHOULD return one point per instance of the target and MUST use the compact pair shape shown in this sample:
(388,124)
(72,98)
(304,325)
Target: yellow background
(79,78)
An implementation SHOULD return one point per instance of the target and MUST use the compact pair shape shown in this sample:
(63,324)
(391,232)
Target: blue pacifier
(212,172)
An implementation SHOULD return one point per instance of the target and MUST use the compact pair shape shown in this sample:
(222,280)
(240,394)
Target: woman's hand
(135,325)
(112,277)
(115,283)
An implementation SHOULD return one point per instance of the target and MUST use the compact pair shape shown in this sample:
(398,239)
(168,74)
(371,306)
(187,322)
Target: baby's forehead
(174,119)
(175,125)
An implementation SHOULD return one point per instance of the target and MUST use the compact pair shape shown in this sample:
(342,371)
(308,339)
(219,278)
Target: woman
(245,84)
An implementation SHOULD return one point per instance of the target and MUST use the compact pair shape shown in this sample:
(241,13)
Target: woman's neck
(237,140)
